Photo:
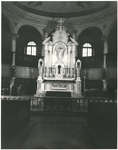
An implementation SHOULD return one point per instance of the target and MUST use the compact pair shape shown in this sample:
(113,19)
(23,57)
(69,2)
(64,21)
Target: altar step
(58,94)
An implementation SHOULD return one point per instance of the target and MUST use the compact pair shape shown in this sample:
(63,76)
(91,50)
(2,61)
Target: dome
(62,9)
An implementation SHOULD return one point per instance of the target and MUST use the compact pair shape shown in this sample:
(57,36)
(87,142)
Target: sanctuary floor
(58,131)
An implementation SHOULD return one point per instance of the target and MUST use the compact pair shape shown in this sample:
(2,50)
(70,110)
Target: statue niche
(59,62)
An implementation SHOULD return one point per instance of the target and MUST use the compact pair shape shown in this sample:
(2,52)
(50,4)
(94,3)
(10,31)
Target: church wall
(26,34)
(5,70)
(93,84)
(94,73)
(26,76)
(111,73)
(6,42)
(5,85)
(28,86)
(21,72)
(6,55)
(26,72)
(30,72)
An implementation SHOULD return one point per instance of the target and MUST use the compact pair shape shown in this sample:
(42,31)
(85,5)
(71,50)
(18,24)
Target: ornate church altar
(59,70)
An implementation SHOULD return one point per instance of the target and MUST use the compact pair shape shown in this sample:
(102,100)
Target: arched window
(87,50)
(31,48)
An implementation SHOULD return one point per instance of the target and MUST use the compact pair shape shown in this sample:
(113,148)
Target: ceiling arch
(92,31)
(29,31)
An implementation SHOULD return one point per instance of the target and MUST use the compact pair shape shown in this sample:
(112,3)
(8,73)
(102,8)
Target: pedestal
(78,92)
(40,87)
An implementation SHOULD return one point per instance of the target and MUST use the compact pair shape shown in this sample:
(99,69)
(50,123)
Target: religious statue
(40,67)
(60,49)
(73,41)
(78,66)
(47,39)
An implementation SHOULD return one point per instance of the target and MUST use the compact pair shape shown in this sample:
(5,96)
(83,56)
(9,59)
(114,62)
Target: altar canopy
(59,70)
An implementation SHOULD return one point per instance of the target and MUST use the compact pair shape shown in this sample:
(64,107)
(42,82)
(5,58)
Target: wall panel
(111,73)
(5,70)
(26,72)
(94,73)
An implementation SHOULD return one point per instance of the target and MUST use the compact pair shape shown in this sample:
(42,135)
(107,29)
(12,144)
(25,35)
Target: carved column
(13,64)
(105,64)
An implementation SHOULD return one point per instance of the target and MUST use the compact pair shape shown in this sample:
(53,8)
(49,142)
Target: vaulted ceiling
(77,14)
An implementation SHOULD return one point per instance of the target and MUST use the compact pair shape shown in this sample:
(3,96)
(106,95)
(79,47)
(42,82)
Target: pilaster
(13,64)
(105,63)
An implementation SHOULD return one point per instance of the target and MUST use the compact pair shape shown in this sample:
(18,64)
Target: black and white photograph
(59,74)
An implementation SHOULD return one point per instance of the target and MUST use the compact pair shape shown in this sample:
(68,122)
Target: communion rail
(61,104)
(68,104)
(49,103)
